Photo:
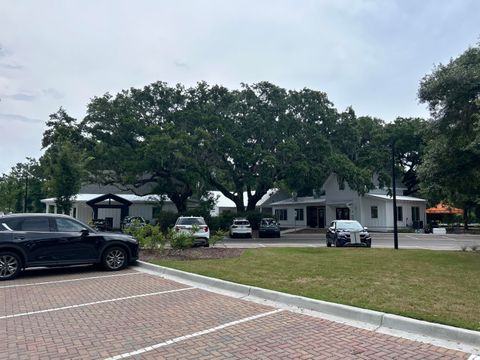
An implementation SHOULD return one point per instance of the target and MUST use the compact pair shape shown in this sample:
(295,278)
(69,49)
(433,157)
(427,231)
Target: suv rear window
(191,221)
(35,224)
(241,222)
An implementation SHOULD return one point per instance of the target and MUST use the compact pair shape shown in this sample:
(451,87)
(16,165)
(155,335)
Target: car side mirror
(84,232)
(365,228)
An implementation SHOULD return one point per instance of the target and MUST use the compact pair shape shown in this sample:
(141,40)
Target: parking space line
(67,280)
(189,336)
(93,303)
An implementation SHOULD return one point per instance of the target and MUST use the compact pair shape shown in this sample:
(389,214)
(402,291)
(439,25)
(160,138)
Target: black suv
(28,240)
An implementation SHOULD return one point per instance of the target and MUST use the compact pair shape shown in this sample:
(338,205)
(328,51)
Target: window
(415,213)
(399,213)
(66,225)
(281,214)
(51,209)
(374,212)
(299,214)
(35,224)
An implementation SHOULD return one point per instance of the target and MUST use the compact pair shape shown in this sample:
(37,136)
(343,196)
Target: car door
(75,244)
(33,234)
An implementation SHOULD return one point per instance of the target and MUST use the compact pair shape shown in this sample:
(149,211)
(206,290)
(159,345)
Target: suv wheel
(115,258)
(10,265)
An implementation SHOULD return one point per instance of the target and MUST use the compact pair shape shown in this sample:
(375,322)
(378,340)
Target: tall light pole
(394,189)
(25,173)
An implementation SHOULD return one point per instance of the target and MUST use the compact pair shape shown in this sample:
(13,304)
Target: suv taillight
(206,228)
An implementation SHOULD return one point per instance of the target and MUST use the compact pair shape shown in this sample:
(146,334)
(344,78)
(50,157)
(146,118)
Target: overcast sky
(369,55)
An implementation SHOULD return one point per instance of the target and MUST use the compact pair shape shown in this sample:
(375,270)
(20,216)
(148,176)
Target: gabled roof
(300,200)
(399,197)
(129,197)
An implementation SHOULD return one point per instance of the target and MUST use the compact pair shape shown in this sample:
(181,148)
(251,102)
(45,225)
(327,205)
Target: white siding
(291,215)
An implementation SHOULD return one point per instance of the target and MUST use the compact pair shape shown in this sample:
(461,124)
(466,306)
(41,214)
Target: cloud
(15,117)
(181,64)
(11,66)
(21,97)
(53,93)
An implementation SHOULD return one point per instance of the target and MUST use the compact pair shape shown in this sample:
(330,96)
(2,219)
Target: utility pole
(394,189)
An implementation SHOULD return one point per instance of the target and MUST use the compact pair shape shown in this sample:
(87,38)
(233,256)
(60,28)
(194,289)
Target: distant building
(374,209)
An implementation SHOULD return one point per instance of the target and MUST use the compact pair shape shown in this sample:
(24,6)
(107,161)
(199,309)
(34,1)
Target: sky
(368,54)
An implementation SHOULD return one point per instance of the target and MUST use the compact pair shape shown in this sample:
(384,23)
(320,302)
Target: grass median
(437,286)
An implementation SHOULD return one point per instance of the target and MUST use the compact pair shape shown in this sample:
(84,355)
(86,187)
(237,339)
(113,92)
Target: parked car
(130,221)
(348,233)
(196,226)
(240,227)
(269,227)
(28,240)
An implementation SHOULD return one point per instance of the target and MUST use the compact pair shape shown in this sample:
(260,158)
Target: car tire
(337,244)
(115,258)
(10,265)
(329,244)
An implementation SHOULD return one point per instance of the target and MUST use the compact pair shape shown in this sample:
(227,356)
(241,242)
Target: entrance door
(343,213)
(316,216)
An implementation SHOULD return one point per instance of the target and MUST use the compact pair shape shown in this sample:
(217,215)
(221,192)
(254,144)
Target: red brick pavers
(107,329)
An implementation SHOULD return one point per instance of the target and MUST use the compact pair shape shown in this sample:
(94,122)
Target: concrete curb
(379,320)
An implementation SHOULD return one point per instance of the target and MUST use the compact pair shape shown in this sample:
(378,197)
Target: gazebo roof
(444,209)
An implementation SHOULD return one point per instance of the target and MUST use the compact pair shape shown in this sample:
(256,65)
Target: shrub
(219,235)
(474,247)
(165,219)
(180,240)
(150,237)
(222,222)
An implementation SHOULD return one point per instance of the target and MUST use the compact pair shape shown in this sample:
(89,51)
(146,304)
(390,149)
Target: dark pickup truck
(28,240)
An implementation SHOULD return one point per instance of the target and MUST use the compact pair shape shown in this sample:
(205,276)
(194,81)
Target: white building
(114,207)
(224,204)
(374,209)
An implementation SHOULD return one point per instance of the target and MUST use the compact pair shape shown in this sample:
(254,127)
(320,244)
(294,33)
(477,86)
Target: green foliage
(23,182)
(217,236)
(180,240)
(223,221)
(150,237)
(451,165)
(64,161)
(166,219)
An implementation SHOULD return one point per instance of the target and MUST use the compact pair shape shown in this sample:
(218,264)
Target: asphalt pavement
(379,240)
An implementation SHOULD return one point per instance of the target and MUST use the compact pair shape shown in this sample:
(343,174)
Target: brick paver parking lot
(87,314)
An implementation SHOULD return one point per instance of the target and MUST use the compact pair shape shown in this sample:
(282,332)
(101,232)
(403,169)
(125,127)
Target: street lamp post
(394,189)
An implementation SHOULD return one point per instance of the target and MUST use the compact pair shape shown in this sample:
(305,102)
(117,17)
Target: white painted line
(93,303)
(67,280)
(189,336)
(474,357)
(262,245)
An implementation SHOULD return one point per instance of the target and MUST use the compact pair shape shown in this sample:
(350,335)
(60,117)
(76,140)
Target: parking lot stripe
(189,336)
(93,303)
(67,280)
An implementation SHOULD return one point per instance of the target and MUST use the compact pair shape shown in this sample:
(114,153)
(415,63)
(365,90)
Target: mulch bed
(199,253)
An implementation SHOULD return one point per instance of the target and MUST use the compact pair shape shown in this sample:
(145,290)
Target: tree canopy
(451,164)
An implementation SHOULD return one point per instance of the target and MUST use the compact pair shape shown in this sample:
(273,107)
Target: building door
(321,216)
(316,216)
(343,213)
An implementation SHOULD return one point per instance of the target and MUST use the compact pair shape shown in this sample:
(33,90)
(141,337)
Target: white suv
(240,227)
(187,223)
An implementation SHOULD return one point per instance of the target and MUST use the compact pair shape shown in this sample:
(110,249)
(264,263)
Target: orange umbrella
(444,209)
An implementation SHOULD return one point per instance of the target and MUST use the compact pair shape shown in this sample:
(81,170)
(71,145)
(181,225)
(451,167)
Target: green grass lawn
(436,286)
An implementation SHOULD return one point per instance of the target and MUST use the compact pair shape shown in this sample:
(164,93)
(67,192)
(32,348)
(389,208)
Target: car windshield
(268,222)
(349,225)
(191,221)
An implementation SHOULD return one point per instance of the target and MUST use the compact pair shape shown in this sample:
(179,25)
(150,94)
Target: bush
(180,240)
(165,219)
(150,237)
(219,235)
(222,222)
